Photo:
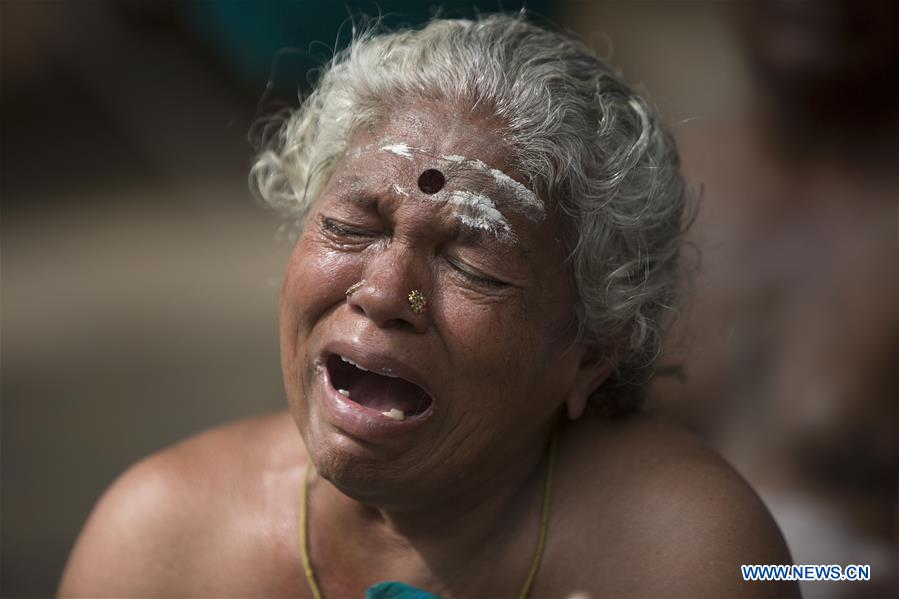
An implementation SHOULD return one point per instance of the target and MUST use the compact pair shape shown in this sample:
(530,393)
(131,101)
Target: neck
(482,536)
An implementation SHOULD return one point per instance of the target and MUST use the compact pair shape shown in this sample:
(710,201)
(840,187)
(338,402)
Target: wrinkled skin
(496,342)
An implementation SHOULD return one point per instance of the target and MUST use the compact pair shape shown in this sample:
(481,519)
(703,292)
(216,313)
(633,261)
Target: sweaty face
(396,399)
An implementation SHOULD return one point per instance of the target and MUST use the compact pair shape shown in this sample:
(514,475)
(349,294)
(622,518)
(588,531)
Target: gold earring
(417,301)
(355,287)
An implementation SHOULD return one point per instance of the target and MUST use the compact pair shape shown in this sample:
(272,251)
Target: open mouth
(392,396)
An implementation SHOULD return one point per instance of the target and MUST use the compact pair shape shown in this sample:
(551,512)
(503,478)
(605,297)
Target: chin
(366,477)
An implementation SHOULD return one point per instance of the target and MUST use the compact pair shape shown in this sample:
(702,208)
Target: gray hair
(578,134)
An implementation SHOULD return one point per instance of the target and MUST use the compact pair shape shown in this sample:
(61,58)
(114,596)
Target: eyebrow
(479,237)
(356,187)
(460,173)
(359,195)
(370,202)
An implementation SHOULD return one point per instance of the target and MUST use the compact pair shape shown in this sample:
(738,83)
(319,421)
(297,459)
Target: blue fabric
(397,590)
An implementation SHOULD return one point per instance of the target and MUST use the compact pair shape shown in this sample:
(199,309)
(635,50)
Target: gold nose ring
(354,288)
(417,301)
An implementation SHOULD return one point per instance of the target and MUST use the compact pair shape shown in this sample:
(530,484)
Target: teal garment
(397,590)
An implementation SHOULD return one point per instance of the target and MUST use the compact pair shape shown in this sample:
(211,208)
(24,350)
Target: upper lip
(377,362)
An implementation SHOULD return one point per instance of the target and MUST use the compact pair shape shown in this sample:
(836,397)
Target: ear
(594,369)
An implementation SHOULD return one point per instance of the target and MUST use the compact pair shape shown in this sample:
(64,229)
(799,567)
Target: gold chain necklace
(541,539)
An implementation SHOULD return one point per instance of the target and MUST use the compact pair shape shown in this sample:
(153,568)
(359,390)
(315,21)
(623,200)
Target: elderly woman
(490,224)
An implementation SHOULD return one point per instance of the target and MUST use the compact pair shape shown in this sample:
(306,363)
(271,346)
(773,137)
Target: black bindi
(431,181)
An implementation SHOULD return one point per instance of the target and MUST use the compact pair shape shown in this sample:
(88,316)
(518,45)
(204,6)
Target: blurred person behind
(789,345)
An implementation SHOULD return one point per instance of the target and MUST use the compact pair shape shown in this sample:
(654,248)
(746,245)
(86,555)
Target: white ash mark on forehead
(400,149)
(477,212)
(526,201)
(400,190)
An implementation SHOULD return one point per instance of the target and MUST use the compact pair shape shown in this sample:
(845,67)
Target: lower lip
(364,423)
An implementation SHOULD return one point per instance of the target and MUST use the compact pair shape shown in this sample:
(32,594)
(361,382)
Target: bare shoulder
(165,521)
(649,510)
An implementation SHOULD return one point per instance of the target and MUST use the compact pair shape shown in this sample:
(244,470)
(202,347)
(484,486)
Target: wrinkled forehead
(450,156)
(438,129)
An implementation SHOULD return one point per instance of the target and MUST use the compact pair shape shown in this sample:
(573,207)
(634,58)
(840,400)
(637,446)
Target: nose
(384,293)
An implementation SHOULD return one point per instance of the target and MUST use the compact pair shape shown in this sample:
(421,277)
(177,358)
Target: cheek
(527,323)
(315,282)
(489,338)
(508,351)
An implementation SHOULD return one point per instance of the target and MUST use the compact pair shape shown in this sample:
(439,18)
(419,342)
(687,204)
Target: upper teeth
(343,392)
(345,359)
(384,371)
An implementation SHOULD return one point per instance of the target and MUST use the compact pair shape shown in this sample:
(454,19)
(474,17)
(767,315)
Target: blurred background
(140,277)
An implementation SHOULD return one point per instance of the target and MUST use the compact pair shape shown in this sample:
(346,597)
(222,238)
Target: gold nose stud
(354,288)
(417,301)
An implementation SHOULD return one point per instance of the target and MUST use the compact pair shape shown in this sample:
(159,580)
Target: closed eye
(346,231)
(475,277)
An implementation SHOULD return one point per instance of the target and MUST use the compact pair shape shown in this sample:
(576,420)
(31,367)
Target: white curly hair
(579,135)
